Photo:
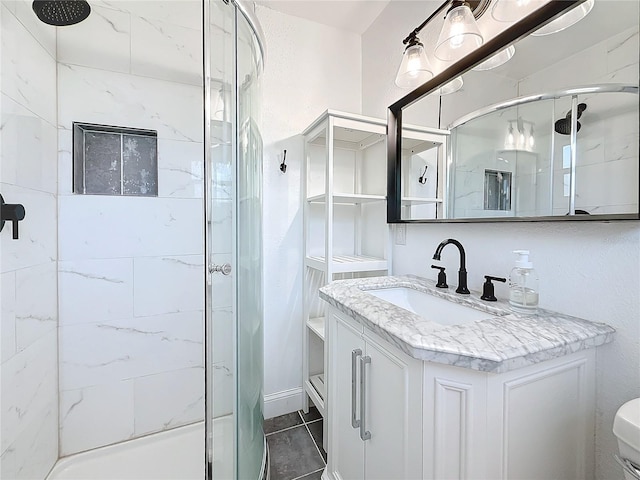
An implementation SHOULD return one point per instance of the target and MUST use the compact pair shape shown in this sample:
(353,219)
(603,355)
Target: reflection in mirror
(548,127)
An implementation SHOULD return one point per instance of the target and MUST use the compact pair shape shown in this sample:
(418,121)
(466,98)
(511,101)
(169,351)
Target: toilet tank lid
(626,425)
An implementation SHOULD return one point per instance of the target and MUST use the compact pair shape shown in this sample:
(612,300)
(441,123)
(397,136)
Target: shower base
(177,454)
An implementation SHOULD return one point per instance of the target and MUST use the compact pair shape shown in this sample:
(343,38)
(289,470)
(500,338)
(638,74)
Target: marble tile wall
(131,269)
(28,279)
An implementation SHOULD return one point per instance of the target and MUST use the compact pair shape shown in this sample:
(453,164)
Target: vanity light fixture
(415,68)
(572,17)
(522,141)
(458,37)
(509,10)
(460,34)
(532,140)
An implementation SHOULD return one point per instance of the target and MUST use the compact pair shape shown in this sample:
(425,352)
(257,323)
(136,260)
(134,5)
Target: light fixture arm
(412,36)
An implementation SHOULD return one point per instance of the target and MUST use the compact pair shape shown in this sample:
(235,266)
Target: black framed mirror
(550,135)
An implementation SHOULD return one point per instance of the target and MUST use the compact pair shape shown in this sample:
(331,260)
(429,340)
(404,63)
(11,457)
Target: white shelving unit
(345,229)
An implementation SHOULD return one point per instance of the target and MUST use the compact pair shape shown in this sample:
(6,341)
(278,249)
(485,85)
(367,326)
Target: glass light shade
(451,87)
(509,10)
(500,58)
(459,35)
(415,68)
(565,21)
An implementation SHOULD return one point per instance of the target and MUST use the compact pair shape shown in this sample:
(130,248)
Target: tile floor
(295,446)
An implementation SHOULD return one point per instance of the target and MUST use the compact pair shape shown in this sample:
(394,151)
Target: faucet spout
(462,272)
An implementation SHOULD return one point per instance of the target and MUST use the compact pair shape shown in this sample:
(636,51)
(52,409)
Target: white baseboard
(286,401)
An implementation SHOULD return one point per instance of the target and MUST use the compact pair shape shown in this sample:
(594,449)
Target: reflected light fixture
(415,68)
(460,34)
(572,17)
(510,140)
(451,87)
(509,10)
(532,140)
(500,58)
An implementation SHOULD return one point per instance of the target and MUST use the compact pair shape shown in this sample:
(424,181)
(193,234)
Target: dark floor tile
(313,414)
(316,432)
(312,476)
(276,424)
(293,454)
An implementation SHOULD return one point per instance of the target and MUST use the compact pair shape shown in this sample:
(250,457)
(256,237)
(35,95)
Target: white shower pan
(176,454)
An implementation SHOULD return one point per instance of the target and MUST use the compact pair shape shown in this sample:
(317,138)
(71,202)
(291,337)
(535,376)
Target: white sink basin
(430,307)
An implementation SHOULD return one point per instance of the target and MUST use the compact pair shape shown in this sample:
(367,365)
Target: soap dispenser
(523,284)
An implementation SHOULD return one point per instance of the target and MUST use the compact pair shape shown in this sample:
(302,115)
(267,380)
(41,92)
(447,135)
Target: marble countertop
(504,341)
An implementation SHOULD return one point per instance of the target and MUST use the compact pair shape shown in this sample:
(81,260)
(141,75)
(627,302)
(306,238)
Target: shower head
(563,126)
(61,13)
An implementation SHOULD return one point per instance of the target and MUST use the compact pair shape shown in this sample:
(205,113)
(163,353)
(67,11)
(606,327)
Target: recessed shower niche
(110,160)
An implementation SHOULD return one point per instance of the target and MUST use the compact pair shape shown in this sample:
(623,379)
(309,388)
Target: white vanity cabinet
(434,421)
(380,387)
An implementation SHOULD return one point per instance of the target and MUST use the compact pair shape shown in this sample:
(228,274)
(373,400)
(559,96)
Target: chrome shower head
(61,13)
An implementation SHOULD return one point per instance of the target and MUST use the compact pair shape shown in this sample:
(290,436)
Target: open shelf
(348,263)
(347,198)
(316,325)
(419,200)
(314,387)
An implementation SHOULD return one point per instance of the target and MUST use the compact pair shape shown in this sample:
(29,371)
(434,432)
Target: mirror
(551,134)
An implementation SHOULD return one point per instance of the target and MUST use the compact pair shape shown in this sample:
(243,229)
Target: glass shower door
(235,439)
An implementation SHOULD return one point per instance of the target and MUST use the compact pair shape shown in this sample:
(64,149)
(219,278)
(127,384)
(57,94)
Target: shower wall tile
(43,33)
(27,70)
(223,388)
(155,410)
(28,388)
(116,227)
(180,169)
(36,315)
(95,290)
(37,244)
(101,41)
(7,316)
(223,323)
(186,13)
(35,450)
(95,416)
(110,98)
(166,51)
(168,285)
(28,143)
(129,348)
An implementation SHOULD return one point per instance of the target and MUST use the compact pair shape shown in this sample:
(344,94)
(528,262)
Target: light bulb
(459,35)
(532,140)
(414,68)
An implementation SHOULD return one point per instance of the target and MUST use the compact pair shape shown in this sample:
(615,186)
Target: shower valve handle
(224,269)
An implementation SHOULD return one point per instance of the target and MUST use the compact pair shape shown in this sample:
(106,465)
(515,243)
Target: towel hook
(423,178)
(283,166)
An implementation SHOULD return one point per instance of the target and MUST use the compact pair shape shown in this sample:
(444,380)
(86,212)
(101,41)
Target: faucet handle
(442,277)
(487,288)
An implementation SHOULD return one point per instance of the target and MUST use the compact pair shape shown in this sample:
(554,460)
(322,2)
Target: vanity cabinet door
(393,414)
(346,449)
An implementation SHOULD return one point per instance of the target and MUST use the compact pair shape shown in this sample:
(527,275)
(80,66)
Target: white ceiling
(351,15)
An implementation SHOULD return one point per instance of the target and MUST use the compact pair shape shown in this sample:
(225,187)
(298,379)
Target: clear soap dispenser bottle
(523,284)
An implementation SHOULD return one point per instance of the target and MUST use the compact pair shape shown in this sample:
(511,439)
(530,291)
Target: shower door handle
(354,355)
(224,269)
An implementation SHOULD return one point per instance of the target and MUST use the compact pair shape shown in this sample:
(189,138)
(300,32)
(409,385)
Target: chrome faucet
(462,273)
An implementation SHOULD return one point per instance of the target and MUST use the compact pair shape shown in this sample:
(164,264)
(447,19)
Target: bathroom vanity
(425,383)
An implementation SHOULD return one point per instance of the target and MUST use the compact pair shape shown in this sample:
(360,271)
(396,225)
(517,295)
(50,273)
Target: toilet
(626,427)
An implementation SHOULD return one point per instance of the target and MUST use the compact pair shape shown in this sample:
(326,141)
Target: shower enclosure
(550,154)
(131,328)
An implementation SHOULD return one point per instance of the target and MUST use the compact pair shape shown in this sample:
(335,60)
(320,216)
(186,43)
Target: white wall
(309,68)
(591,270)
(29,317)
(131,268)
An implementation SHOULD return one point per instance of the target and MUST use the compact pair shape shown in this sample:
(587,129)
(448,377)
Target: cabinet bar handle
(364,434)
(354,354)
